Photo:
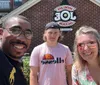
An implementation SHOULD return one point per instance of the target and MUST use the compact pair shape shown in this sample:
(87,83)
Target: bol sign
(64,15)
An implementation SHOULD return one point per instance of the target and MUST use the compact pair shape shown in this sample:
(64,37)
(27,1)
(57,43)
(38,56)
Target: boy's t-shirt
(52,62)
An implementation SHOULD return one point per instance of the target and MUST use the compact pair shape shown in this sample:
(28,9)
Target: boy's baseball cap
(52,25)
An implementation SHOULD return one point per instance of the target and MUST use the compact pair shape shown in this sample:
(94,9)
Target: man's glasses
(17,31)
(91,44)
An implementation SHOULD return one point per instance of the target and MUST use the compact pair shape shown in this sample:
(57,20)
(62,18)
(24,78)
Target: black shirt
(11,71)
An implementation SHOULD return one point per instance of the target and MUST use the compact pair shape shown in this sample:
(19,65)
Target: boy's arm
(68,71)
(34,75)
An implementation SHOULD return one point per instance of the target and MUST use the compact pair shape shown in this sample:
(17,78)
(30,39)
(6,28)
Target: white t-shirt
(51,61)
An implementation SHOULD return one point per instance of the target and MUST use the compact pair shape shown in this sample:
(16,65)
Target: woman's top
(82,77)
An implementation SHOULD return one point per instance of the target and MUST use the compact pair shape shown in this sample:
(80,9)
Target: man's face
(1,32)
(16,45)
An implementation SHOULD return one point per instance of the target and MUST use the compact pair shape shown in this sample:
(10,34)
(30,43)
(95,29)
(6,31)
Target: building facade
(87,13)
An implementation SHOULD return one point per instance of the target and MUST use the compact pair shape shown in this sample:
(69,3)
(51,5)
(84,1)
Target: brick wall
(87,14)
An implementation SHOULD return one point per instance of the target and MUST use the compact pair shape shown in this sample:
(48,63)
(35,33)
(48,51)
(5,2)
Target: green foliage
(26,67)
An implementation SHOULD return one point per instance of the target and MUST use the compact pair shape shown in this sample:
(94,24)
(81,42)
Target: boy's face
(52,35)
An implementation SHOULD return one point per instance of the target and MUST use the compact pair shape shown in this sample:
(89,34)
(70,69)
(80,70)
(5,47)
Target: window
(7,6)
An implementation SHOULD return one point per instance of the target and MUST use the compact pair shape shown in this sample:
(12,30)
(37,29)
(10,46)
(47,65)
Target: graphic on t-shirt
(12,78)
(49,59)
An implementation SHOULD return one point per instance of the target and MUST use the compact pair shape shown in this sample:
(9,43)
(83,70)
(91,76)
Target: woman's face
(87,47)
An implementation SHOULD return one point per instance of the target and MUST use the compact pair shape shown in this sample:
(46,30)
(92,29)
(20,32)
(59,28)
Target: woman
(50,59)
(86,68)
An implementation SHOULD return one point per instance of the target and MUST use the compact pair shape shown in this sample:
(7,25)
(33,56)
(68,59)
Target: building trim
(97,2)
(20,9)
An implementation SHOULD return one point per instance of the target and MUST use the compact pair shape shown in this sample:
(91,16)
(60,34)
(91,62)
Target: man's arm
(33,75)
(68,71)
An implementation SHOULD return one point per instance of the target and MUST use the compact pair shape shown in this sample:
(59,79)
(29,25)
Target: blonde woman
(86,69)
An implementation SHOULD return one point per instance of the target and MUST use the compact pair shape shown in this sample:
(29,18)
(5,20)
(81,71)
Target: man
(49,60)
(16,39)
(1,31)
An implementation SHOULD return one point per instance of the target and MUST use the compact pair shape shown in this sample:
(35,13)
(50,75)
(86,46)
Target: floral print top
(82,77)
